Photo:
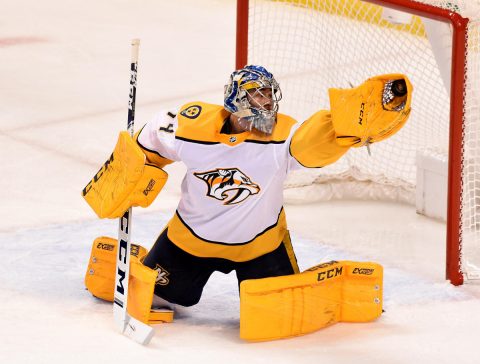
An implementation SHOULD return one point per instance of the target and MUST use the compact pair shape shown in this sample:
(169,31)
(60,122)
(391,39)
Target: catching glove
(371,112)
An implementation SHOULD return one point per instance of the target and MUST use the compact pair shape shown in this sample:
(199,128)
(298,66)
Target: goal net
(313,45)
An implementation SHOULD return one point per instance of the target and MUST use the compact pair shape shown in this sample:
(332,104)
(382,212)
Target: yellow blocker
(286,306)
(125,180)
(100,280)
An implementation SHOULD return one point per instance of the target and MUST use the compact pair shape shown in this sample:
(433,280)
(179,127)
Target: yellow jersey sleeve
(314,144)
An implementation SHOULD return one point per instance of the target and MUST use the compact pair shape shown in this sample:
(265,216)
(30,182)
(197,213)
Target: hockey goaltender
(230,216)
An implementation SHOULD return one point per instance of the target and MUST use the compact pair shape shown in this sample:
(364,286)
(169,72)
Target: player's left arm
(157,139)
(359,116)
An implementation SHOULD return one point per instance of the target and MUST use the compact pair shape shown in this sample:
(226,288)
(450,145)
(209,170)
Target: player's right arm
(157,139)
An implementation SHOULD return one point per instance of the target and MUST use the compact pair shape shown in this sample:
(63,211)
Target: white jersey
(232,193)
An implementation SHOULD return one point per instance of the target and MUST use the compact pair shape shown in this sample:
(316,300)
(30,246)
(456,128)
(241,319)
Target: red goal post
(456,143)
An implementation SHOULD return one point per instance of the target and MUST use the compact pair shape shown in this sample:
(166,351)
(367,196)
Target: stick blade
(138,331)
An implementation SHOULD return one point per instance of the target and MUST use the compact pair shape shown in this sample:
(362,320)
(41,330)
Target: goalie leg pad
(286,306)
(100,280)
(125,180)
(362,292)
(100,276)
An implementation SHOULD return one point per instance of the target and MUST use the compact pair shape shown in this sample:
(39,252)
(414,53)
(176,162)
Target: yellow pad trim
(125,180)
(160,316)
(281,307)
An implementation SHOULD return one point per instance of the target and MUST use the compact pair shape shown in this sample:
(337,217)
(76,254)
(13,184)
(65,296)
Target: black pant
(182,276)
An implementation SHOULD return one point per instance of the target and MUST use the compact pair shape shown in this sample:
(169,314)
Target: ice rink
(64,94)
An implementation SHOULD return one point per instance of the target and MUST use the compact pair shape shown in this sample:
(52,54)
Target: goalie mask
(252,94)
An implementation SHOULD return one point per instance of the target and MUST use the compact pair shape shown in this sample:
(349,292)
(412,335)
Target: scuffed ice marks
(49,264)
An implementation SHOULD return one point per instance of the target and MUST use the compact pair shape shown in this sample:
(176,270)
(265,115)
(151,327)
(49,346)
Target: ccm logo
(99,174)
(360,116)
(364,271)
(329,273)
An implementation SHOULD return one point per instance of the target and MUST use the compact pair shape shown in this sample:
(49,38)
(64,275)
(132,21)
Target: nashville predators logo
(192,112)
(229,185)
(162,275)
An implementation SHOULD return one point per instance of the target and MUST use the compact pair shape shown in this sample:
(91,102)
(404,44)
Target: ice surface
(64,93)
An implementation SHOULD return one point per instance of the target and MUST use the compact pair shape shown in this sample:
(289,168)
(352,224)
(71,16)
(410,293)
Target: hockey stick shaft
(133,86)
(124,225)
(135,329)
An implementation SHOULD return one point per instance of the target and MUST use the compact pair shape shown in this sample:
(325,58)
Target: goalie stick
(129,326)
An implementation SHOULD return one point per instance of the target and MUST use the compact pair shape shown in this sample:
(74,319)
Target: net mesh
(312,45)
(470,212)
